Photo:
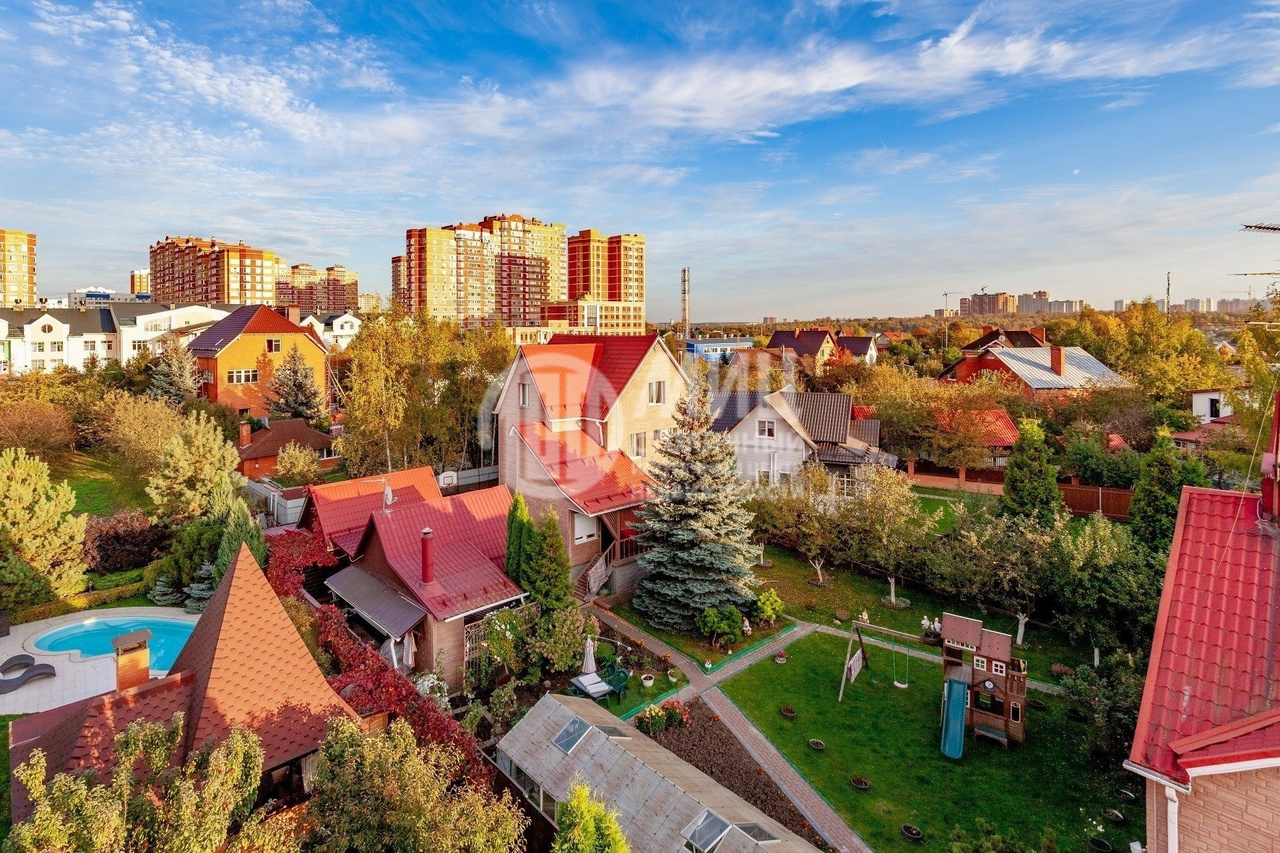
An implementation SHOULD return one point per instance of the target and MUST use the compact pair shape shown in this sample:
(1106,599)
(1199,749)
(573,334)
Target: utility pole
(1168,306)
(946,317)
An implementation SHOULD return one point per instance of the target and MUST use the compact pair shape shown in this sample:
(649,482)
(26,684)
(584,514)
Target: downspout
(1171,812)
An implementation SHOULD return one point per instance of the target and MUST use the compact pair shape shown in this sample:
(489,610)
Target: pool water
(93,637)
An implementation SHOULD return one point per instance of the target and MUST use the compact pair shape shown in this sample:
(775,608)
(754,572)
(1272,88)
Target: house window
(1215,407)
(524,395)
(997,667)
(141,346)
(766,429)
(705,833)
(47,329)
(657,393)
(659,434)
(762,476)
(979,664)
(1015,712)
(273,345)
(90,346)
(38,346)
(56,346)
(108,346)
(37,364)
(585,528)
(639,444)
(242,377)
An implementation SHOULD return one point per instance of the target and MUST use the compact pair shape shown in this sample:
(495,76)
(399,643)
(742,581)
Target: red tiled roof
(469,547)
(1215,650)
(247,319)
(998,429)
(862,413)
(1115,442)
(1206,430)
(343,507)
(583,375)
(595,480)
(271,440)
(244,665)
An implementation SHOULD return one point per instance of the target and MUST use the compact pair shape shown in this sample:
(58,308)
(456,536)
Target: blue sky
(805,158)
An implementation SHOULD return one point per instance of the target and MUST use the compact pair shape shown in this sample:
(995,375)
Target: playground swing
(906,675)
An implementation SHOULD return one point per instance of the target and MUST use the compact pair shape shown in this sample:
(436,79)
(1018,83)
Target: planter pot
(816,744)
(911,833)
(646,680)
(1113,815)
(673,676)
(788,712)
(1036,704)
(1076,715)
(706,664)
(1126,796)
(779,658)
(1100,845)
(860,783)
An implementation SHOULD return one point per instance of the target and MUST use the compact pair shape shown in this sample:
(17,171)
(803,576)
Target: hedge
(76,603)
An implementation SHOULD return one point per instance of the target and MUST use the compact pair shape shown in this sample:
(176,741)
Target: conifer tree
(519,526)
(587,825)
(201,589)
(175,379)
(1030,480)
(1156,495)
(238,528)
(546,566)
(195,464)
(697,526)
(166,593)
(292,391)
(41,539)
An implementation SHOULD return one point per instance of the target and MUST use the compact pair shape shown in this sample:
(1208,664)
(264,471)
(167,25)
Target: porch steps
(582,589)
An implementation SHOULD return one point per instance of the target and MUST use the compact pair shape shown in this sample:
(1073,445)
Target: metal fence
(474,642)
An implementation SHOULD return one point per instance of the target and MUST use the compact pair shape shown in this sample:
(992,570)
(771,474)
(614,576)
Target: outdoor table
(591,684)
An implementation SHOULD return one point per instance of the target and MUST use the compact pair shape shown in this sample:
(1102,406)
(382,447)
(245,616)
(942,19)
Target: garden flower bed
(709,745)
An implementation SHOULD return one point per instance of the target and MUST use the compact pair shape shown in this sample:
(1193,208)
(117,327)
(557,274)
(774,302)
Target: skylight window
(571,734)
(705,832)
(614,732)
(756,832)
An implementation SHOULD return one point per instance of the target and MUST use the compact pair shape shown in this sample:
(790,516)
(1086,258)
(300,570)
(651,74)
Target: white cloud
(891,161)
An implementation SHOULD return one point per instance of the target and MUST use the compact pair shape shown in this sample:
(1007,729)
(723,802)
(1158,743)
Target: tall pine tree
(1030,480)
(697,526)
(292,392)
(175,379)
(519,527)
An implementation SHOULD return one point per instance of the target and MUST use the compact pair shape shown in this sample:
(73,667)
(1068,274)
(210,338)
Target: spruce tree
(546,571)
(1156,495)
(1030,480)
(697,527)
(166,593)
(201,589)
(292,392)
(519,526)
(238,528)
(175,379)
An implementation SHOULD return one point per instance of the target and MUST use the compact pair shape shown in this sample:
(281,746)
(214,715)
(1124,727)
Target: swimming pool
(92,637)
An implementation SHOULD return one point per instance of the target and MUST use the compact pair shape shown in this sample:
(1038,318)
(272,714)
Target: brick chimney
(246,434)
(986,330)
(1038,334)
(294,313)
(133,659)
(428,564)
(1057,359)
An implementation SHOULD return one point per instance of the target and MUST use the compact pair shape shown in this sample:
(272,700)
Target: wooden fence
(1086,500)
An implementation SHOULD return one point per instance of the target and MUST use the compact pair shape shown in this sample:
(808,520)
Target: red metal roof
(583,375)
(247,319)
(338,508)
(998,429)
(862,413)
(1215,653)
(595,480)
(469,547)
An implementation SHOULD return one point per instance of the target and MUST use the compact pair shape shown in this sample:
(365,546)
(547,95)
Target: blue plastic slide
(953,718)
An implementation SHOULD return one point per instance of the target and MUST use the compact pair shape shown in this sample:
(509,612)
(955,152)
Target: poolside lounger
(40,670)
(16,662)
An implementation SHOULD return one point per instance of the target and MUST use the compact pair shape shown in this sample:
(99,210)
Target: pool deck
(78,677)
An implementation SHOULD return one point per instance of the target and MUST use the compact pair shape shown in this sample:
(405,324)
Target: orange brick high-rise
(196,270)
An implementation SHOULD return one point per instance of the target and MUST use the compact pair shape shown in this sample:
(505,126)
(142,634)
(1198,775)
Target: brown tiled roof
(271,440)
(251,320)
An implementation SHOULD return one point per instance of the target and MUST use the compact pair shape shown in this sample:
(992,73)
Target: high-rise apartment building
(399,276)
(369,303)
(1204,305)
(196,270)
(1033,303)
(989,303)
(17,269)
(140,281)
(606,285)
(332,290)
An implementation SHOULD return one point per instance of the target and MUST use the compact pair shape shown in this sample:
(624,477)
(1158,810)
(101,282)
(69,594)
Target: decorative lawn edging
(657,700)
(751,648)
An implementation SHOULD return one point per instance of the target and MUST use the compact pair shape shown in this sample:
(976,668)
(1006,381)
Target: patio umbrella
(589,658)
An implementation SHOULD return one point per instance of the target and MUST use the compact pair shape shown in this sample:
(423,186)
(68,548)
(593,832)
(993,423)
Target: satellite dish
(387,498)
(448,478)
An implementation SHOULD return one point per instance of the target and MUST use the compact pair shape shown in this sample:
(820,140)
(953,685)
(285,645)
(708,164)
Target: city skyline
(821,159)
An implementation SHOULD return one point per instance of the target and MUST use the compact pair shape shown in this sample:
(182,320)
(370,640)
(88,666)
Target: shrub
(297,466)
(290,554)
(768,607)
(502,705)
(121,541)
(304,619)
(431,685)
(677,716)
(651,720)
(42,428)
(560,639)
(136,430)
(720,624)
(471,719)
(1061,670)
(505,641)
(76,603)
(116,579)
(604,654)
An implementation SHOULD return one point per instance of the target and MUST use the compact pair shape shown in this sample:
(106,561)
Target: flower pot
(788,712)
(911,833)
(673,675)
(779,658)
(1100,845)
(860,783)
(1113,815)
(816,745)
(706,664)
(646,680)
(1126,796)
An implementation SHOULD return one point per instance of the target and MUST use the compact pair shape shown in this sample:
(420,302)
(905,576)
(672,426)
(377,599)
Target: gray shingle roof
(1080,370)
(824,416)
(90,321)
(730,407)
(657,794)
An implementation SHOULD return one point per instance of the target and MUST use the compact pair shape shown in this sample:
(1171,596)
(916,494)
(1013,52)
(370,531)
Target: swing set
(906,673)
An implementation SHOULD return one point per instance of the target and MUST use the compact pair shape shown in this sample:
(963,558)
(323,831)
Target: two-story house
(577,421)
(238,355)
(145,326)
(40,339)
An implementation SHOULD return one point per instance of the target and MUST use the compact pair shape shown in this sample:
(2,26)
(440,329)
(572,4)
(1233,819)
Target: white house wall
(785,453)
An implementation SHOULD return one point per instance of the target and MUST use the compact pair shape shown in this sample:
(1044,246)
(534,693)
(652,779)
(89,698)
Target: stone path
(701,684)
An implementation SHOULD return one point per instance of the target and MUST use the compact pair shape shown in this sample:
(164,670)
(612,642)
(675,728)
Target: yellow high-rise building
(140,281)
(17,269)
(196,270)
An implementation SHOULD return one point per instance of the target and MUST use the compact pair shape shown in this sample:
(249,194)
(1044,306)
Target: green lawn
(699,648)
(947,520)
(891,736)
(5,778)
(853,593)
(100,487)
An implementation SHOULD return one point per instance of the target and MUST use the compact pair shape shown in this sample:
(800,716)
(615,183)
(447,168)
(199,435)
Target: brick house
(238,355)
(1039,371)
(259,450)
(244,665)
(1208,733)
(577,421)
